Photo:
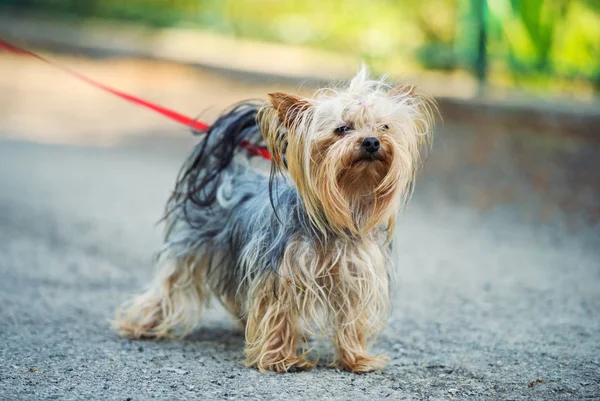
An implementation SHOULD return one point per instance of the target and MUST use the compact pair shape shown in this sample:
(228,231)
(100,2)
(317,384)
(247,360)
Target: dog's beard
(359,191)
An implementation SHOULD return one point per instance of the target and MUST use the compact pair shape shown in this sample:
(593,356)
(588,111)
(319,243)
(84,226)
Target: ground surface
(499,270)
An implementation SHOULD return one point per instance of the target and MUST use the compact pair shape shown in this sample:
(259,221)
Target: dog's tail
(199,178)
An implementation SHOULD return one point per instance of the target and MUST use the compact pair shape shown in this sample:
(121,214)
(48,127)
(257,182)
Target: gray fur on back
(244,231)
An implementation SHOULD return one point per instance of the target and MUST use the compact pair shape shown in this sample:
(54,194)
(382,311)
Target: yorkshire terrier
(302,250)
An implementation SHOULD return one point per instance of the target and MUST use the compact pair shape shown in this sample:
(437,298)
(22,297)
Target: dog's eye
(343,129)
(384,127)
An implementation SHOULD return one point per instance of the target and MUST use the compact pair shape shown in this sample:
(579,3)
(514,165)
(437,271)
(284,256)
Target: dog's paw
(362,363)
(141,322)
(286,365)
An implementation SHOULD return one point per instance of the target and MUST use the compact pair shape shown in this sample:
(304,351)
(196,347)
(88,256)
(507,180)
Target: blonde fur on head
(343,196)
(305,250)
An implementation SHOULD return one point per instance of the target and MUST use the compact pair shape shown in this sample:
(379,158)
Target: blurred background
(500,243)
(517,81)
(544,47)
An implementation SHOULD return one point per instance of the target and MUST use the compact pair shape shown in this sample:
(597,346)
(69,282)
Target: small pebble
(175,370)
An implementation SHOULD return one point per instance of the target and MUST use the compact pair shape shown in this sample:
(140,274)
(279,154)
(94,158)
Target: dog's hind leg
(171,306)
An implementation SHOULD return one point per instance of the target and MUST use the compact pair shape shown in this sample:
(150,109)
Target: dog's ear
(289,107)
(403,90)
(287,115)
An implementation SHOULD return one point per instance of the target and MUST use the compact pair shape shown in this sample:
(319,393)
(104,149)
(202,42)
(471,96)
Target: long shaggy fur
(302,250)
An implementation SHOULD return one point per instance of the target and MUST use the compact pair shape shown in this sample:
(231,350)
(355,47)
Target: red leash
(171,114)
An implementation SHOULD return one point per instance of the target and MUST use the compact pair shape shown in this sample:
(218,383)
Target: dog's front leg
(272,330)
(354,324)
(350,341)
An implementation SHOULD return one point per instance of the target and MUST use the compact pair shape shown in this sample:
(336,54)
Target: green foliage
(539,19)
(551,38)
(523,37)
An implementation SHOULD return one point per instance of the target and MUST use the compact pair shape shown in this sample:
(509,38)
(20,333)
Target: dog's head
(352,152)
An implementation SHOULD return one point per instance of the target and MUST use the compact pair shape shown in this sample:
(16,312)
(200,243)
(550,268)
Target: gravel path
(485,305)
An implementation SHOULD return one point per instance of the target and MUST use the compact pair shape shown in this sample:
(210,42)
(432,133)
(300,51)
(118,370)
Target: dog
(304,250)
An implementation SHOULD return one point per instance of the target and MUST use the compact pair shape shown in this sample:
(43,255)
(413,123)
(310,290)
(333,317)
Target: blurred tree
(542,40)
(540,19)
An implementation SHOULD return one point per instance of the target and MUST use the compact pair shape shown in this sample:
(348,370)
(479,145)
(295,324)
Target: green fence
(529,42)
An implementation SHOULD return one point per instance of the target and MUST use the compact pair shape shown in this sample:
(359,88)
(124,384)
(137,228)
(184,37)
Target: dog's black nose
(371,144)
